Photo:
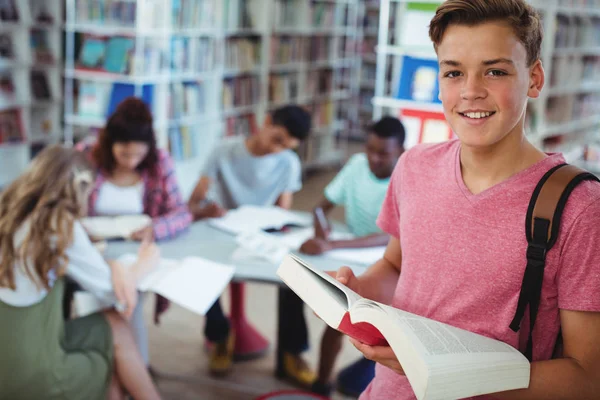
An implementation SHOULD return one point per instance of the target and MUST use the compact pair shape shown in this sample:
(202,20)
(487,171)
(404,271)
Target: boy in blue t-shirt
(360,188)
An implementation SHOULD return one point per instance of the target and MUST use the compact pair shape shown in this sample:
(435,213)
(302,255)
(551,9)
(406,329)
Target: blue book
(419,80)
(117,54)
(120,91)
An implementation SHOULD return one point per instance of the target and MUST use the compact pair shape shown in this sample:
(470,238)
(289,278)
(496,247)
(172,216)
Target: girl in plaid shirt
(125,155)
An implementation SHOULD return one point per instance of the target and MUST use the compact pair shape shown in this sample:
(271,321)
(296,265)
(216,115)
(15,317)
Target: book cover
(419,80)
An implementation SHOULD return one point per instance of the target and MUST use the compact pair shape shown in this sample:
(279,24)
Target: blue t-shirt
(361,193)
(239,178)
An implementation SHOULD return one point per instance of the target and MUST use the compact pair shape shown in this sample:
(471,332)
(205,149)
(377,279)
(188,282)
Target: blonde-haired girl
(41,242)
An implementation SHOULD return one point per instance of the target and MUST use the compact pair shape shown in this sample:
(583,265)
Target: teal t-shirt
(361,194)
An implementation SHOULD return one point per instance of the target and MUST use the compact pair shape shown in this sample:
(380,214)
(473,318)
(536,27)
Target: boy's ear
(537,78)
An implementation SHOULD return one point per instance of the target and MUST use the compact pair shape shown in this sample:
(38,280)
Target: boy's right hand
(346,276)
(213,210)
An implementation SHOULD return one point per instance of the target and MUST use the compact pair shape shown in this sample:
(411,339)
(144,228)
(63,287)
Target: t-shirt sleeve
(335,191)
(578,277)
(389,216)
(294,182)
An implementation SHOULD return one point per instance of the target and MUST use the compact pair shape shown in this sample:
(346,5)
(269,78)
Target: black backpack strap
(542,224)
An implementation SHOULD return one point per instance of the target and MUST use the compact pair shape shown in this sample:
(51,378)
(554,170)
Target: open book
(247,219)
(440,361)
(193,283)
(120,227)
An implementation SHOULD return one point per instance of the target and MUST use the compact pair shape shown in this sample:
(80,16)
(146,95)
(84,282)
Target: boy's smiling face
(485,82)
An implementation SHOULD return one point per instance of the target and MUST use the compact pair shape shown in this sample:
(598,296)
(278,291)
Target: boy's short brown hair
(522,17)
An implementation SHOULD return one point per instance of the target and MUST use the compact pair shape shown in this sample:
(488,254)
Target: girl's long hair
(50,195)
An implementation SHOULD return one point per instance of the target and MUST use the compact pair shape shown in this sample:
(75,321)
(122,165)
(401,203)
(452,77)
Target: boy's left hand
(380,354)
(315,246)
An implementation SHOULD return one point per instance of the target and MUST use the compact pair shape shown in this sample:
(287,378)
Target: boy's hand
(346,276)
(380,354)
(210,210)
(315,246)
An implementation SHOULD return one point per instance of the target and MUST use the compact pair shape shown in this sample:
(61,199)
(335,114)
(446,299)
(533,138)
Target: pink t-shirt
(463,255)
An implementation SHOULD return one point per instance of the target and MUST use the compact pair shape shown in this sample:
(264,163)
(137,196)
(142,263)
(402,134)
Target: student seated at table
(262,170)
(133,176)
(360,188)
(41,243)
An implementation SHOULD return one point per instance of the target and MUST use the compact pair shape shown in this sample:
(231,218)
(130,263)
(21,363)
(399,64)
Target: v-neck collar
(544,165)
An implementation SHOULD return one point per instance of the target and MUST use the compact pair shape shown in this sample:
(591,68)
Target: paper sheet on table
(255,219)
(366,256)
(296,237)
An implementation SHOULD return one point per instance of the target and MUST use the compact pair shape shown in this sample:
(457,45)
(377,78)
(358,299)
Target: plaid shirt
(162,199)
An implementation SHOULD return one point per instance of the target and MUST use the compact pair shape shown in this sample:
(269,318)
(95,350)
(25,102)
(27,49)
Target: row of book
(13,90)
(283,88)
(244,125)
(242,52)
(11,126)
(570,70)
(289,14)
(149,14)
(289,49)
(183,141)
(117,54)
(187,99)
(240,91)
(563,109)
(572,33)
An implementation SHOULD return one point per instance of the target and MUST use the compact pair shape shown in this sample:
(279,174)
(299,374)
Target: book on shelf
(287,49)
(6,46)
(40,88)
(205,55)
(186,99)
(242,53)
(322,14)
(9,11)
(419,80)
(183,142)
(424,126)
(42,53)
(439,360)
(242,14)
(193,283)
(244,125)
(241,91)
(8,90)
(40,12)
(11,126)
(283,87)
(286,13)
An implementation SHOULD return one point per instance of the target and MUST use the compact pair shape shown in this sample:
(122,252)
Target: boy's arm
(198,206)
(577,375)
(285,200)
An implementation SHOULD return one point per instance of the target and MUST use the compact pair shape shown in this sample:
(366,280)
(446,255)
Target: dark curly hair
(131,122)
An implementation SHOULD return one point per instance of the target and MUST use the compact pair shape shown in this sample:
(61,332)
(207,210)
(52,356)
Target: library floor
(176,346)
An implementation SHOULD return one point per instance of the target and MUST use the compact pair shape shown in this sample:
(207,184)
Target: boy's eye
(452,74)
(496,72)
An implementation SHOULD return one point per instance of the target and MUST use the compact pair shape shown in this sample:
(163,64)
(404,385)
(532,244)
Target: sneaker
(221,357)
(320,388)
(294,369)
(354,379)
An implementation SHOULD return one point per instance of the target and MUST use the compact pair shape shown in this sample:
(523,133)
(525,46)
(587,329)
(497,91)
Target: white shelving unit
(30,73)
(569,106)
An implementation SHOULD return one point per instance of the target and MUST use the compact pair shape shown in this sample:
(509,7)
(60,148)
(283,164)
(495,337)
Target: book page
(435,338)
(195,283)
(365,256)
(104,227)
(327,297)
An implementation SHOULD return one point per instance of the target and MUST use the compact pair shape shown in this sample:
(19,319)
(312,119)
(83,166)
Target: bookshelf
(30,73)
(232,60)
(566,116)
(168,52)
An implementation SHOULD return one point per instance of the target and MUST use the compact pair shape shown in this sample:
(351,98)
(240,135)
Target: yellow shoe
(294,369)
(221,357)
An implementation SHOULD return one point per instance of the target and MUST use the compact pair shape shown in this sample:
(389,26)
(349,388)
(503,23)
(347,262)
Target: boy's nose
(473,88)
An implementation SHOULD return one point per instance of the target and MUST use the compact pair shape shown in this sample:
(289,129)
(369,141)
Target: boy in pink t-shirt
(456,213)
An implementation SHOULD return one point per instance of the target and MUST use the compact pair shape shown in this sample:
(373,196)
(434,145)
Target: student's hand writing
(315,246)
(146,233)
(124,286)
(380,354)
